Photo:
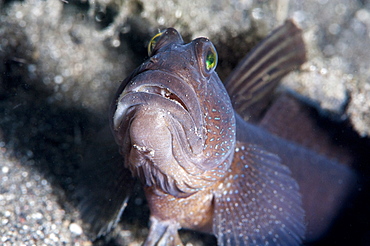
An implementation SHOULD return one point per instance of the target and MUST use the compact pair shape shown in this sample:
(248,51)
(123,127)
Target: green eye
(153,42)
(211,60)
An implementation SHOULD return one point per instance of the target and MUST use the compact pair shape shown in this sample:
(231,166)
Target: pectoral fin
(163,233)
(104,186)
(257,75)
(259,202)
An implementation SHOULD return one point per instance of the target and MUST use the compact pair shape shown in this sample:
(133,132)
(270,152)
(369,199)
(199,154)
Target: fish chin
(149,128)
(153,175)
(154,143)
(166,139)
(159,108)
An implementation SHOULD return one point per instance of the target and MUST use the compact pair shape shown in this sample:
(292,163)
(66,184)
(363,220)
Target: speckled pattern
(255,172)
(61,62)
(30,213)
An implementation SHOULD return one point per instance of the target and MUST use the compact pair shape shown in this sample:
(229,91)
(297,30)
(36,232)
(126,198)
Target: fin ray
(259,202)
(259,72)
(104,186)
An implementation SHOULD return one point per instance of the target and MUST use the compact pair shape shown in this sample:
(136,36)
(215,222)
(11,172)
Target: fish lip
(122,109)
(165,92)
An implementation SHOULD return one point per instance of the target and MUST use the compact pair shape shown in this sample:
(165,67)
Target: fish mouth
(139,94)
(162,91)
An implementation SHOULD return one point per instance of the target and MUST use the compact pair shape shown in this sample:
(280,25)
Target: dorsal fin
(257,75)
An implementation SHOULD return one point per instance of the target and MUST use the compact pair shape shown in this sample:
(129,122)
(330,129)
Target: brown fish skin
(202,166)
(324,184)
(176,128)
(251,86)
(287,110)
(235,203)
(169,214)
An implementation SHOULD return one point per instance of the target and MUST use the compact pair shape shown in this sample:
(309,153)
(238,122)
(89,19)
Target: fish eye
(211,59)
(206,54)
(153,42)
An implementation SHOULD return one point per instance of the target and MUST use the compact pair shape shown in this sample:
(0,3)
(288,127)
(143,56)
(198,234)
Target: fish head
(173,118)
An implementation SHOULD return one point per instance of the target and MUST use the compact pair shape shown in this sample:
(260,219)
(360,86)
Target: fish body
(202,166)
